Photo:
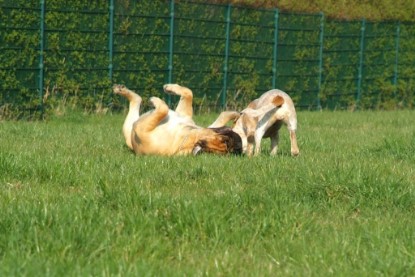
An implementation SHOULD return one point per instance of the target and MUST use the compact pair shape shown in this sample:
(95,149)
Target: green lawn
(75,201)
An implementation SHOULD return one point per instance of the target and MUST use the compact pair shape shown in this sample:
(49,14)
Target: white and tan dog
(263,118)
(166,132)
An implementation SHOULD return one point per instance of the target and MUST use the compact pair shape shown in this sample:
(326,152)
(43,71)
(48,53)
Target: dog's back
(286,113)
(270,121)
(263,117)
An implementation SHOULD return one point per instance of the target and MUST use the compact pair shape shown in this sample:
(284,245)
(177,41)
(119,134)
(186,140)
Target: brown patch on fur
(278,101)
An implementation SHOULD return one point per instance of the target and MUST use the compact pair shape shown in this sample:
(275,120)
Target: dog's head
(222,141)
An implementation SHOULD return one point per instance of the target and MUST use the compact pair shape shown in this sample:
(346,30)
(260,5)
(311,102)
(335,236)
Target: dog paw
(125,92)
(156,102)
(118,89)
(172,89)
(295,153)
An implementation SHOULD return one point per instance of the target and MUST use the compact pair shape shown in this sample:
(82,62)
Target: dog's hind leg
(292,128)
(294,146)
(133,111)
(150,121)
(185,105)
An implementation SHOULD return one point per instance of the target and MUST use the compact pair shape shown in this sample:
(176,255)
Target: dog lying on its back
(166,132)
(263,118)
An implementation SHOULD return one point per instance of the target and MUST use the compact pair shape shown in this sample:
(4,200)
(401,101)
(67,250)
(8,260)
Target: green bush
(80,63)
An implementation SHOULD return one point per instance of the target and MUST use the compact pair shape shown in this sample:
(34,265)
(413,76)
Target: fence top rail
(82,11)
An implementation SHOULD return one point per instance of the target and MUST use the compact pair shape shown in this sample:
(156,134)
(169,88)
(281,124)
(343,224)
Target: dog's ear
(278,101)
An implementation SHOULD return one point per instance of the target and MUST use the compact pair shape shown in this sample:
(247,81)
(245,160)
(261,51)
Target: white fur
(262,118)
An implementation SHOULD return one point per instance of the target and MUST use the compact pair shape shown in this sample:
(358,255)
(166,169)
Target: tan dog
(262,119)
(166,132)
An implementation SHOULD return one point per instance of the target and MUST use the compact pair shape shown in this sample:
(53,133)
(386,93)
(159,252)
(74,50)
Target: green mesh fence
(298,65)
(76,52)
(140,49)
(341,63)
(19,41)
(54,54)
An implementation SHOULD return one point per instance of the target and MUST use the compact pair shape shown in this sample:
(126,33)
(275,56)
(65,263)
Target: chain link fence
(55,54)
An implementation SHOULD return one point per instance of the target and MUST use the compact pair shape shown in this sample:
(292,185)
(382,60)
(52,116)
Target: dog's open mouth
(229,142)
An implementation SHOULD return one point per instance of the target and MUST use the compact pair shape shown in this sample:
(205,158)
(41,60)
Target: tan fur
(263,118)
(166,132)
(224,118)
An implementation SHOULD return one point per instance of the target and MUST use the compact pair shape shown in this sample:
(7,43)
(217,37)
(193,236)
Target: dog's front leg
(259,134)
(224,118)
(258,138)
(250,145)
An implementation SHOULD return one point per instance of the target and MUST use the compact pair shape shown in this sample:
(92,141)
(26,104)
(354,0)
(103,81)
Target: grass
(74,201)
(402,10)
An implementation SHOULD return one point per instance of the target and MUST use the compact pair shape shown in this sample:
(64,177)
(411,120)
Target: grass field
(74,201)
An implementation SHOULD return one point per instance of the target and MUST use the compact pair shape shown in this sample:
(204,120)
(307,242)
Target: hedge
(60,56)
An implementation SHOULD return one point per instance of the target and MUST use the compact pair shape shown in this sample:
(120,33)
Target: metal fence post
(320,64)
(274,61)
(41,53)
(171,48)
(225,66)
(395,75)
(111,40)
(360,69)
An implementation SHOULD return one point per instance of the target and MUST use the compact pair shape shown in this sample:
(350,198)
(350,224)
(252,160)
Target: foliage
(82,60)
(346,10)
(75,201)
